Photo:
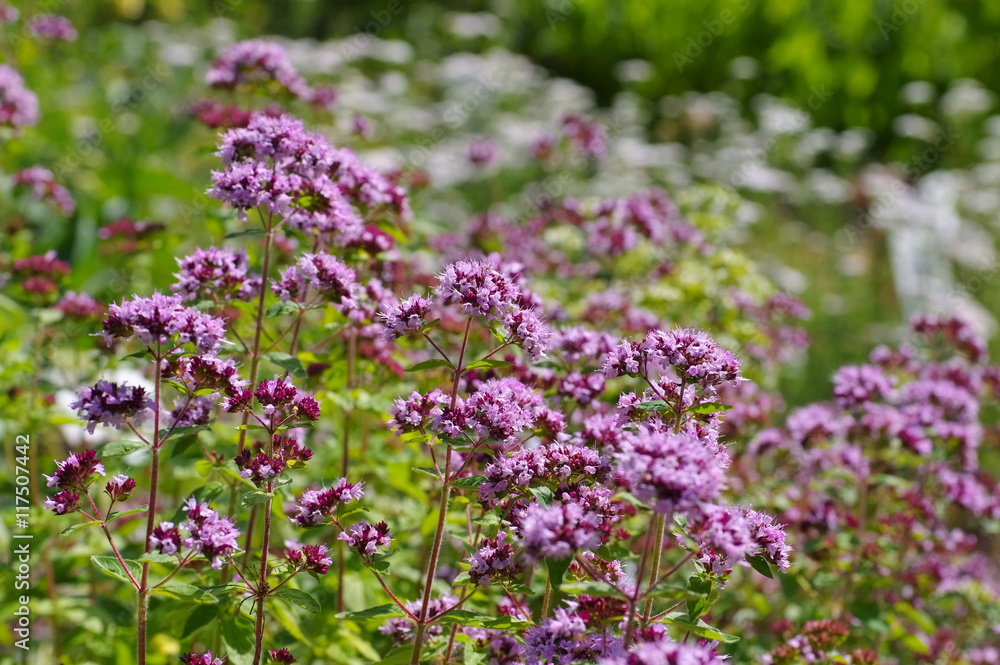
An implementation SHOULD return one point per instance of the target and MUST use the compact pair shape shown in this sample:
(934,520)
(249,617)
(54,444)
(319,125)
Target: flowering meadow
(341,351)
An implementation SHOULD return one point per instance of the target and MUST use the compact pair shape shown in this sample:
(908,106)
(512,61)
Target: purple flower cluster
(256,62)
(280,399)
(18,105)
(405,317)
(560,640)
(415,412)
(672,472)
(309,557)
(51,26)
(77,471)
(113,405)
(155,320)
(212,536)
(79,306)
(367,538)
(577,520)
(502,408)
(216,273)
(402,630)
(315,505)
(63,502)
(45,188)
(324,273)
(201,659)
(551,464)
(119,488)
(666,652)
(493,560)
(770,538)
(479,288)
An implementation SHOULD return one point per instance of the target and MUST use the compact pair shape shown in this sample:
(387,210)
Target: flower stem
(655,570)
(546,598)
(154,477)
(262,581)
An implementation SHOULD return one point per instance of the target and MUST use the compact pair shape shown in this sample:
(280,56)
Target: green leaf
(255,497)
(506,623)
(542,494)
(557,569)
(121,447)
(135,511)
(428,470)
(430,364)
(760,564)
(700,588)
(287,362)
(185,591)
(244,232)
(590,589)
(202,616)
(110,566)
(398,656)
(699,628)
(238,640)
(184,431)
(157,557)
(470,482)
(206,493)
(656,405)
(298,597)
(706,408)
(462,578)
(489,363)
(281,309)
(387,611)
(138,354)
(76,527)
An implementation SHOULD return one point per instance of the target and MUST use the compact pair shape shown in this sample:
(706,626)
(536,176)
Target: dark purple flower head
(210,535)
(63,502)
(309,557)
(324,273)
(256,62)
(480,289)
(954,331)
(18,105)
(201,372)
(367,538)
(315,505)
(164,320)
(77,471)
(259,468)
(278,394)
(857,385)
(402,630)
(216,273)
(551,464)
(113,405)
(280,656)
(672,472)
(201,659)
(405,317)
(120,488)
(45,188)
(493,560)
(51,26)
(165,539)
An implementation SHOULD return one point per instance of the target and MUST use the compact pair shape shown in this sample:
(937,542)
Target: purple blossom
(559,640)
(165,539)
(672,472)
(112,405)
(256,62)
(309,557)
(280,656)
(45,188)
(480,289)
(77,471)
(553,463)
(200,659)
(119,488)
(323,272)
(52,26)
(63,502)
(157,319)
(405,317)
(412,414)
(259,468)
(402,630)
(576,521)
(770,538)
(18,105)
(582,388)
(79,306)
(528,331)
(503,408)
(315,505)
(367,538)
(623,359)
(198,411)
(665,651)
(210,535)
(279,394)
(216,273)
(201,372)
(857,385)
(481,152)
(692,354)
(494,559)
